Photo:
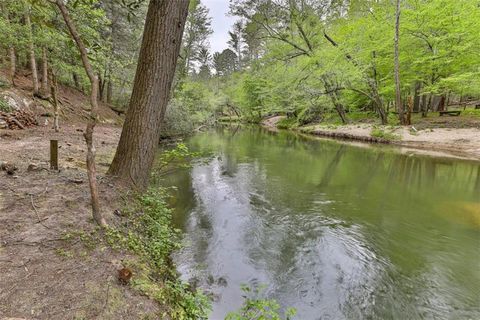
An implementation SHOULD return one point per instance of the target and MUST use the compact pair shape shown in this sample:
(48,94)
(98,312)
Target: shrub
(383,134)
(287,123)
(4,106)
(255,308)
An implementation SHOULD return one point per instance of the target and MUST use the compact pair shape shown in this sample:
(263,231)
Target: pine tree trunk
(88,135)
(44,90)
(13,64)
(416,98)
(11,48)
(424,106)
(109,91)
(101,86)
(53,90)
(75,80)
(33,63)
(161,42)
(398,97)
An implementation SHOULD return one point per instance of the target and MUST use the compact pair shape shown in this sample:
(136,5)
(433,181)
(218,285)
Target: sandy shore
(454,142)
(464,143)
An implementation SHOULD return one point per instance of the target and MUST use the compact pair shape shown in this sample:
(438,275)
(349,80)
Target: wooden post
(54,154)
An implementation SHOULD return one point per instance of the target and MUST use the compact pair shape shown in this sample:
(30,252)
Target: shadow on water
(333,230)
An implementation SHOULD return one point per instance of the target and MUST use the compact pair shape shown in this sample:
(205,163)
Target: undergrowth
(149,234)
(287,123)
(383,134)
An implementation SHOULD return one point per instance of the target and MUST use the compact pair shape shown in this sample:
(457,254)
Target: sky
(221,23)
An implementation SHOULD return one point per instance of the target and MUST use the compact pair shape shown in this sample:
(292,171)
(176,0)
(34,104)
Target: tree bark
(88,135)
(33,62)
(53,89)
(101,86)
(44,88)
(416,98)
(109,91)
(13,64)
(398,94)
(151,90)
(75,80)
(332,93)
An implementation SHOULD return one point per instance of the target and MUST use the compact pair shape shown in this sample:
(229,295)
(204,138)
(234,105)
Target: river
(335,230)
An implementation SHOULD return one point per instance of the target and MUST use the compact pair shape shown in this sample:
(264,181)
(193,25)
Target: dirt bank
(49,266)
(459,142)
(46,270)
(271,122)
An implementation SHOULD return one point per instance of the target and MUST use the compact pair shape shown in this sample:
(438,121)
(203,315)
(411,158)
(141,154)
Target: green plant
(4,106)
(287,123)
(383,134)
(471,112)
(150,235)
(255,308)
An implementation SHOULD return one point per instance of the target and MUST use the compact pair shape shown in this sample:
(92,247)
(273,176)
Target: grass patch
(384,134)
(471,112)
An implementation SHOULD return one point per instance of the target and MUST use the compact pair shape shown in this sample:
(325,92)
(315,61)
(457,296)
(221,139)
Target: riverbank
(445,137)
(47,269)
(55,262)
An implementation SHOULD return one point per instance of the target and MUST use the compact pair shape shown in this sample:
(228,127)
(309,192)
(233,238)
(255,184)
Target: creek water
(334,230)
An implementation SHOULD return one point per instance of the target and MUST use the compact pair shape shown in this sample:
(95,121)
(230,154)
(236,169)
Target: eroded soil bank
(46,270)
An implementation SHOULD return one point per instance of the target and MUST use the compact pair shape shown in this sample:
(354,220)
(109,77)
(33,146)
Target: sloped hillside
(74,104)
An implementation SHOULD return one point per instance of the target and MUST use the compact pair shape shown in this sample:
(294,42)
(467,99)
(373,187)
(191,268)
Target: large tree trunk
(33,62)
(45,91)
(88,135)
(161,42)
(398,93)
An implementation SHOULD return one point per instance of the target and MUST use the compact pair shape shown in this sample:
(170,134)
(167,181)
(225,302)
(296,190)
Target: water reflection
(333,230)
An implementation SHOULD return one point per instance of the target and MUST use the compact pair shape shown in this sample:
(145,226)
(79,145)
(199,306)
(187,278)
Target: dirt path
(458,142)
(47,269)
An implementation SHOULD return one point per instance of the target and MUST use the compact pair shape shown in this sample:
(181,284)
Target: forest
(152,164)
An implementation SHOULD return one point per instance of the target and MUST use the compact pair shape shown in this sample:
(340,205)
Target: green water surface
(336,231)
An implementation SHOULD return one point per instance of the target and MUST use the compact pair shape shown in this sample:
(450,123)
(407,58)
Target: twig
(34,208)
(36,212)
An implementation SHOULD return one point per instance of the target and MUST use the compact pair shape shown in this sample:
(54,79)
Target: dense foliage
(311,58)
(305,58)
